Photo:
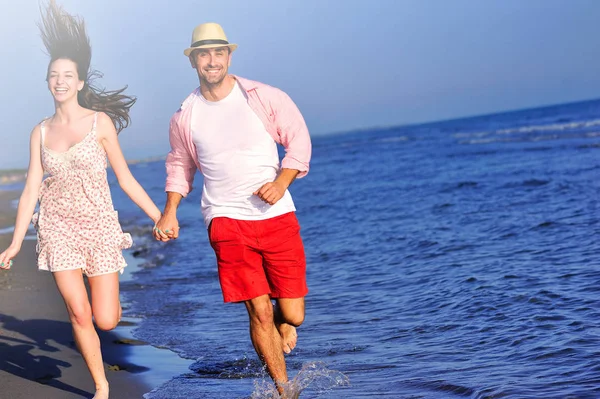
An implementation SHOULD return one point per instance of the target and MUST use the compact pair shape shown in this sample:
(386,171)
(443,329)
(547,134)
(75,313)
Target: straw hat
(209,35)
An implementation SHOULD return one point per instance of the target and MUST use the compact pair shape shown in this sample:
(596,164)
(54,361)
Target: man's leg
(266,338)
(242,275)
(289,314)
(285,267)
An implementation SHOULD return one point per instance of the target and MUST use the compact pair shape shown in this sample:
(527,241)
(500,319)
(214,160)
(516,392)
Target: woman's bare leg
(71,287)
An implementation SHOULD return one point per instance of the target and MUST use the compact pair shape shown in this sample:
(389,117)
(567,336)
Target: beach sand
(38,358)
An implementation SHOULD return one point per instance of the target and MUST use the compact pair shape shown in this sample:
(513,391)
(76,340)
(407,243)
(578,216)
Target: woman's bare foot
(289,337)
(101,392)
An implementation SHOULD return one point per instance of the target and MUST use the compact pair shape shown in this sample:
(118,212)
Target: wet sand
(38,358)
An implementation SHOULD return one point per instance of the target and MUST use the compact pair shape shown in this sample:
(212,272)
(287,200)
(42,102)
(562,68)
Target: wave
(313,375)
(554,127)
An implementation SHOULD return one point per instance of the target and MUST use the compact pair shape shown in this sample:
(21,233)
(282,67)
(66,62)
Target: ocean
(457,259)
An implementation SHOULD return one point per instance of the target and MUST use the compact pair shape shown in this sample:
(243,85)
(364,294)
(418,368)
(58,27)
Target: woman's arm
(28,200)
(107,135)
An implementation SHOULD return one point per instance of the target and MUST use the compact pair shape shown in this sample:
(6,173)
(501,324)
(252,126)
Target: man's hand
(271,192)
(167,228)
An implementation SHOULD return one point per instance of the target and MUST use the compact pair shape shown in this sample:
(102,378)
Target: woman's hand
(6,257)
(167,228)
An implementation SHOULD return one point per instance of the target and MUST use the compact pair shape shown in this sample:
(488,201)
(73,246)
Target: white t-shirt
(237,156)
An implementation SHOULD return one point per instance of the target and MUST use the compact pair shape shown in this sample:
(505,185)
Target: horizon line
(466,117)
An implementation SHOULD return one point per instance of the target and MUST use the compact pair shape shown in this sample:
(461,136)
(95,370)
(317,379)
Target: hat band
(211,41)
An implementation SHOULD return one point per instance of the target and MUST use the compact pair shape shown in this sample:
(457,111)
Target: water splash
(314,375)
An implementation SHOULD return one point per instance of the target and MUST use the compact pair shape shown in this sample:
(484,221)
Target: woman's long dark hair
(65,37)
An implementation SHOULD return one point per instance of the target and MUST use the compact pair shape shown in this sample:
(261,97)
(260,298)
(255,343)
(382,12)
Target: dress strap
(95,121)
(42,132)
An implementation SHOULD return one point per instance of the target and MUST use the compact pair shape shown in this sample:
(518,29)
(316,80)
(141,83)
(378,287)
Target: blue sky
(348,64)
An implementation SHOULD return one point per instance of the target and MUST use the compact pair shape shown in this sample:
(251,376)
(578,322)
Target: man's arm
(293,134)
(181,168)
(295,139)
(180,164)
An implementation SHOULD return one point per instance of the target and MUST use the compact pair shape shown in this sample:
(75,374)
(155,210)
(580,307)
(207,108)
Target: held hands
(167,228)
(271,192)
(6,257)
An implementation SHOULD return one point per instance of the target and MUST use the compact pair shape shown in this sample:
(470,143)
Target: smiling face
(211,64)
(63,80)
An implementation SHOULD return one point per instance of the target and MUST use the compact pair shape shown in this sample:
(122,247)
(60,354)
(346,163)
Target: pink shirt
(275,109)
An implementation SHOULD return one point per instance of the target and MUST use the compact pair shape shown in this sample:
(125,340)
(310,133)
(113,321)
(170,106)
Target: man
(228,128)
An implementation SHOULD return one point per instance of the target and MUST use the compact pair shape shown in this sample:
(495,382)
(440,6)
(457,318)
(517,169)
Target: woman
(78,229)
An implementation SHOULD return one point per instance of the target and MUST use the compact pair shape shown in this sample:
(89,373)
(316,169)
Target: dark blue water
(451,260)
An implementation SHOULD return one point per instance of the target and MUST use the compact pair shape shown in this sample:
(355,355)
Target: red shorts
(258,257)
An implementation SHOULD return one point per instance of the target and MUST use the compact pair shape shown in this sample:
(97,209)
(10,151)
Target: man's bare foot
(289,337)
(101,392)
